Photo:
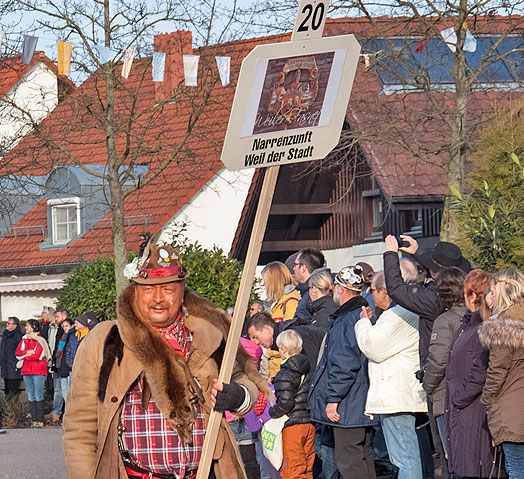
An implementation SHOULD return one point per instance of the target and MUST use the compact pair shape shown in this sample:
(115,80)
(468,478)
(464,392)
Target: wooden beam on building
(290,245)
(302,209)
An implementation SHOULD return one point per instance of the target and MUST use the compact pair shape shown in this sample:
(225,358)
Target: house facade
(387,176)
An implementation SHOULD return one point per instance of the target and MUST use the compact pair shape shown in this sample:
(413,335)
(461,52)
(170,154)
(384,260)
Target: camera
(402,243)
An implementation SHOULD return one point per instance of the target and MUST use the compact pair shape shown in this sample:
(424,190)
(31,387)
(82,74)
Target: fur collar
(506,329)
(166,374)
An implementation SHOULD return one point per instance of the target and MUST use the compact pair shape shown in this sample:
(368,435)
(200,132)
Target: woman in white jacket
(391,345)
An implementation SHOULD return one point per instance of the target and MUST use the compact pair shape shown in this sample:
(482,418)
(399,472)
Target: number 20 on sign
(311,17)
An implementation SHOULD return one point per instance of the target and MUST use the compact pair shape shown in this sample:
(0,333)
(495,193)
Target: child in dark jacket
(291,389)
(61,366)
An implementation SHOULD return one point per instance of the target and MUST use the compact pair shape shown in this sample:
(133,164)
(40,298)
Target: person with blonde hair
(281,290)
(320,291)
(291,390)
(503,393)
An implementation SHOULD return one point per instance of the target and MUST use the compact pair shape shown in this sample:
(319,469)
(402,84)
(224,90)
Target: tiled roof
(12,70)
(78,136)
(74,130)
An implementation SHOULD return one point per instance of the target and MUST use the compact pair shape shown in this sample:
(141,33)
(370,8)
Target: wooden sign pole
(244,292)
(309,24)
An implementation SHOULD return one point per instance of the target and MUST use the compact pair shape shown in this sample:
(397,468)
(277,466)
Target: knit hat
(367,271)
(83,320)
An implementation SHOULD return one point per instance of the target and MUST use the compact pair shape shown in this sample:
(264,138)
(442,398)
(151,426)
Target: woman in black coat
(470,450)
(10,340)
(322,305)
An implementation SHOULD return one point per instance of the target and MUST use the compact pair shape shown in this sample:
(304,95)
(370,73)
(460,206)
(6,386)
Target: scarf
(80,334)
(40,340)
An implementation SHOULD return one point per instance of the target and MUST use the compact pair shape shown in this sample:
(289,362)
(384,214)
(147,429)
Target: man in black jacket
(11,337)
(421,298)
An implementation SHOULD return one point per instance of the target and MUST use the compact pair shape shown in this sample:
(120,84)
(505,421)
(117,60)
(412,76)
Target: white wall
(370,253)
(27,305)
(35,95)
(213,214)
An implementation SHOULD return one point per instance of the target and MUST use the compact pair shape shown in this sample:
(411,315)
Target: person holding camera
(420,298)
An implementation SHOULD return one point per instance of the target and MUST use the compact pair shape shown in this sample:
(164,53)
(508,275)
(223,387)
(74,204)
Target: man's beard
(337,299)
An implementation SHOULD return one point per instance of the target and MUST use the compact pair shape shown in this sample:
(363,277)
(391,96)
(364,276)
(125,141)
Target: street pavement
(32,454)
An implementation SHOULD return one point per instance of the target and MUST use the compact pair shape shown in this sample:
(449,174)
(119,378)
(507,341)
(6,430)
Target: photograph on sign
(293,92)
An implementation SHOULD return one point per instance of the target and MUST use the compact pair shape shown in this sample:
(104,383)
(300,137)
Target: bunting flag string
(105,54)
(65,50)
(128,61)
(29,49)
(470,43)
(191,69)
(450,37)
(224,69)
(421,45)
(159,65)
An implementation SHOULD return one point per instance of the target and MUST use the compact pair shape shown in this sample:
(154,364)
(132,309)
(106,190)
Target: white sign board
(290,102)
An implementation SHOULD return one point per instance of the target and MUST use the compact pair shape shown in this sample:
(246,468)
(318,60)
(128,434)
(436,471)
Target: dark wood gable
(316,204)
(332,203)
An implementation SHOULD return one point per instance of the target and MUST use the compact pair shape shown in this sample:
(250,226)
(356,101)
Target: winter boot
(32,413)
(39,411)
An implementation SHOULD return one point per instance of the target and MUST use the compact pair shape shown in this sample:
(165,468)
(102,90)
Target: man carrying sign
(143,386)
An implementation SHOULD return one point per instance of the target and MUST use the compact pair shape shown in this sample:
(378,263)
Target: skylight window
(399,60)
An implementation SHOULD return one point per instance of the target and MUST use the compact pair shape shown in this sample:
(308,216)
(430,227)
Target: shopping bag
(272,440)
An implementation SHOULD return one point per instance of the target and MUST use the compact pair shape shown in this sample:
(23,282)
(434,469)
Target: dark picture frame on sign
(293,92)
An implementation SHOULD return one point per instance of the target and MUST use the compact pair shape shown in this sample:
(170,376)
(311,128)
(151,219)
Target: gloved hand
(229,397)
(420,375)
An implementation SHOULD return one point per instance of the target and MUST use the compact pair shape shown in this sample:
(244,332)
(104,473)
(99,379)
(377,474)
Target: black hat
(83,320)
(444,255)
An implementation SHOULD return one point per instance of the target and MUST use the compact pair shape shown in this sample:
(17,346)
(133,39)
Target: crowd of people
(373,373)
(43,359)
(422,359)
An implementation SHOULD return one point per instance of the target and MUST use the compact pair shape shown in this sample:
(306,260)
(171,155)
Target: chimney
(175,44)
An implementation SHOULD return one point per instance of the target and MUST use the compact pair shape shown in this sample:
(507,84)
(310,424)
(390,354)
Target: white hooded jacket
(391,345)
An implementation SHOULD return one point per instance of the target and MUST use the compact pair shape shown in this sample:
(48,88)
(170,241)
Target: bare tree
(123,121)
(418,97)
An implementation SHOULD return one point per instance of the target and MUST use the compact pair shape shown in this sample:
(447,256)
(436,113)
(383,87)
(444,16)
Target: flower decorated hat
(351,277)
(156,264)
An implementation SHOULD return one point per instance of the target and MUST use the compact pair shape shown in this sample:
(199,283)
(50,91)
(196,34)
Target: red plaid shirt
(151,443)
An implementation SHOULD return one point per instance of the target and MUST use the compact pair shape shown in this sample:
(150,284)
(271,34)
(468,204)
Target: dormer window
(65,219)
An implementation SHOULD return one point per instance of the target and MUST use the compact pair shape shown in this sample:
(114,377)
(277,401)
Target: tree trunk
(118,232)
(450,227)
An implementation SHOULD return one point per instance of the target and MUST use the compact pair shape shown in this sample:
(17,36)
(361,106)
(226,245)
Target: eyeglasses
(9,324)
(373,290)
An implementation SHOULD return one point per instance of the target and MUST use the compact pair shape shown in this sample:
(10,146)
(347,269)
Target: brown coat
(99,384)
(503,393)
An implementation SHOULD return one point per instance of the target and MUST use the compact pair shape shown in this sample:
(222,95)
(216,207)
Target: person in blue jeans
(503,393)
(395,394)
(34,352)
